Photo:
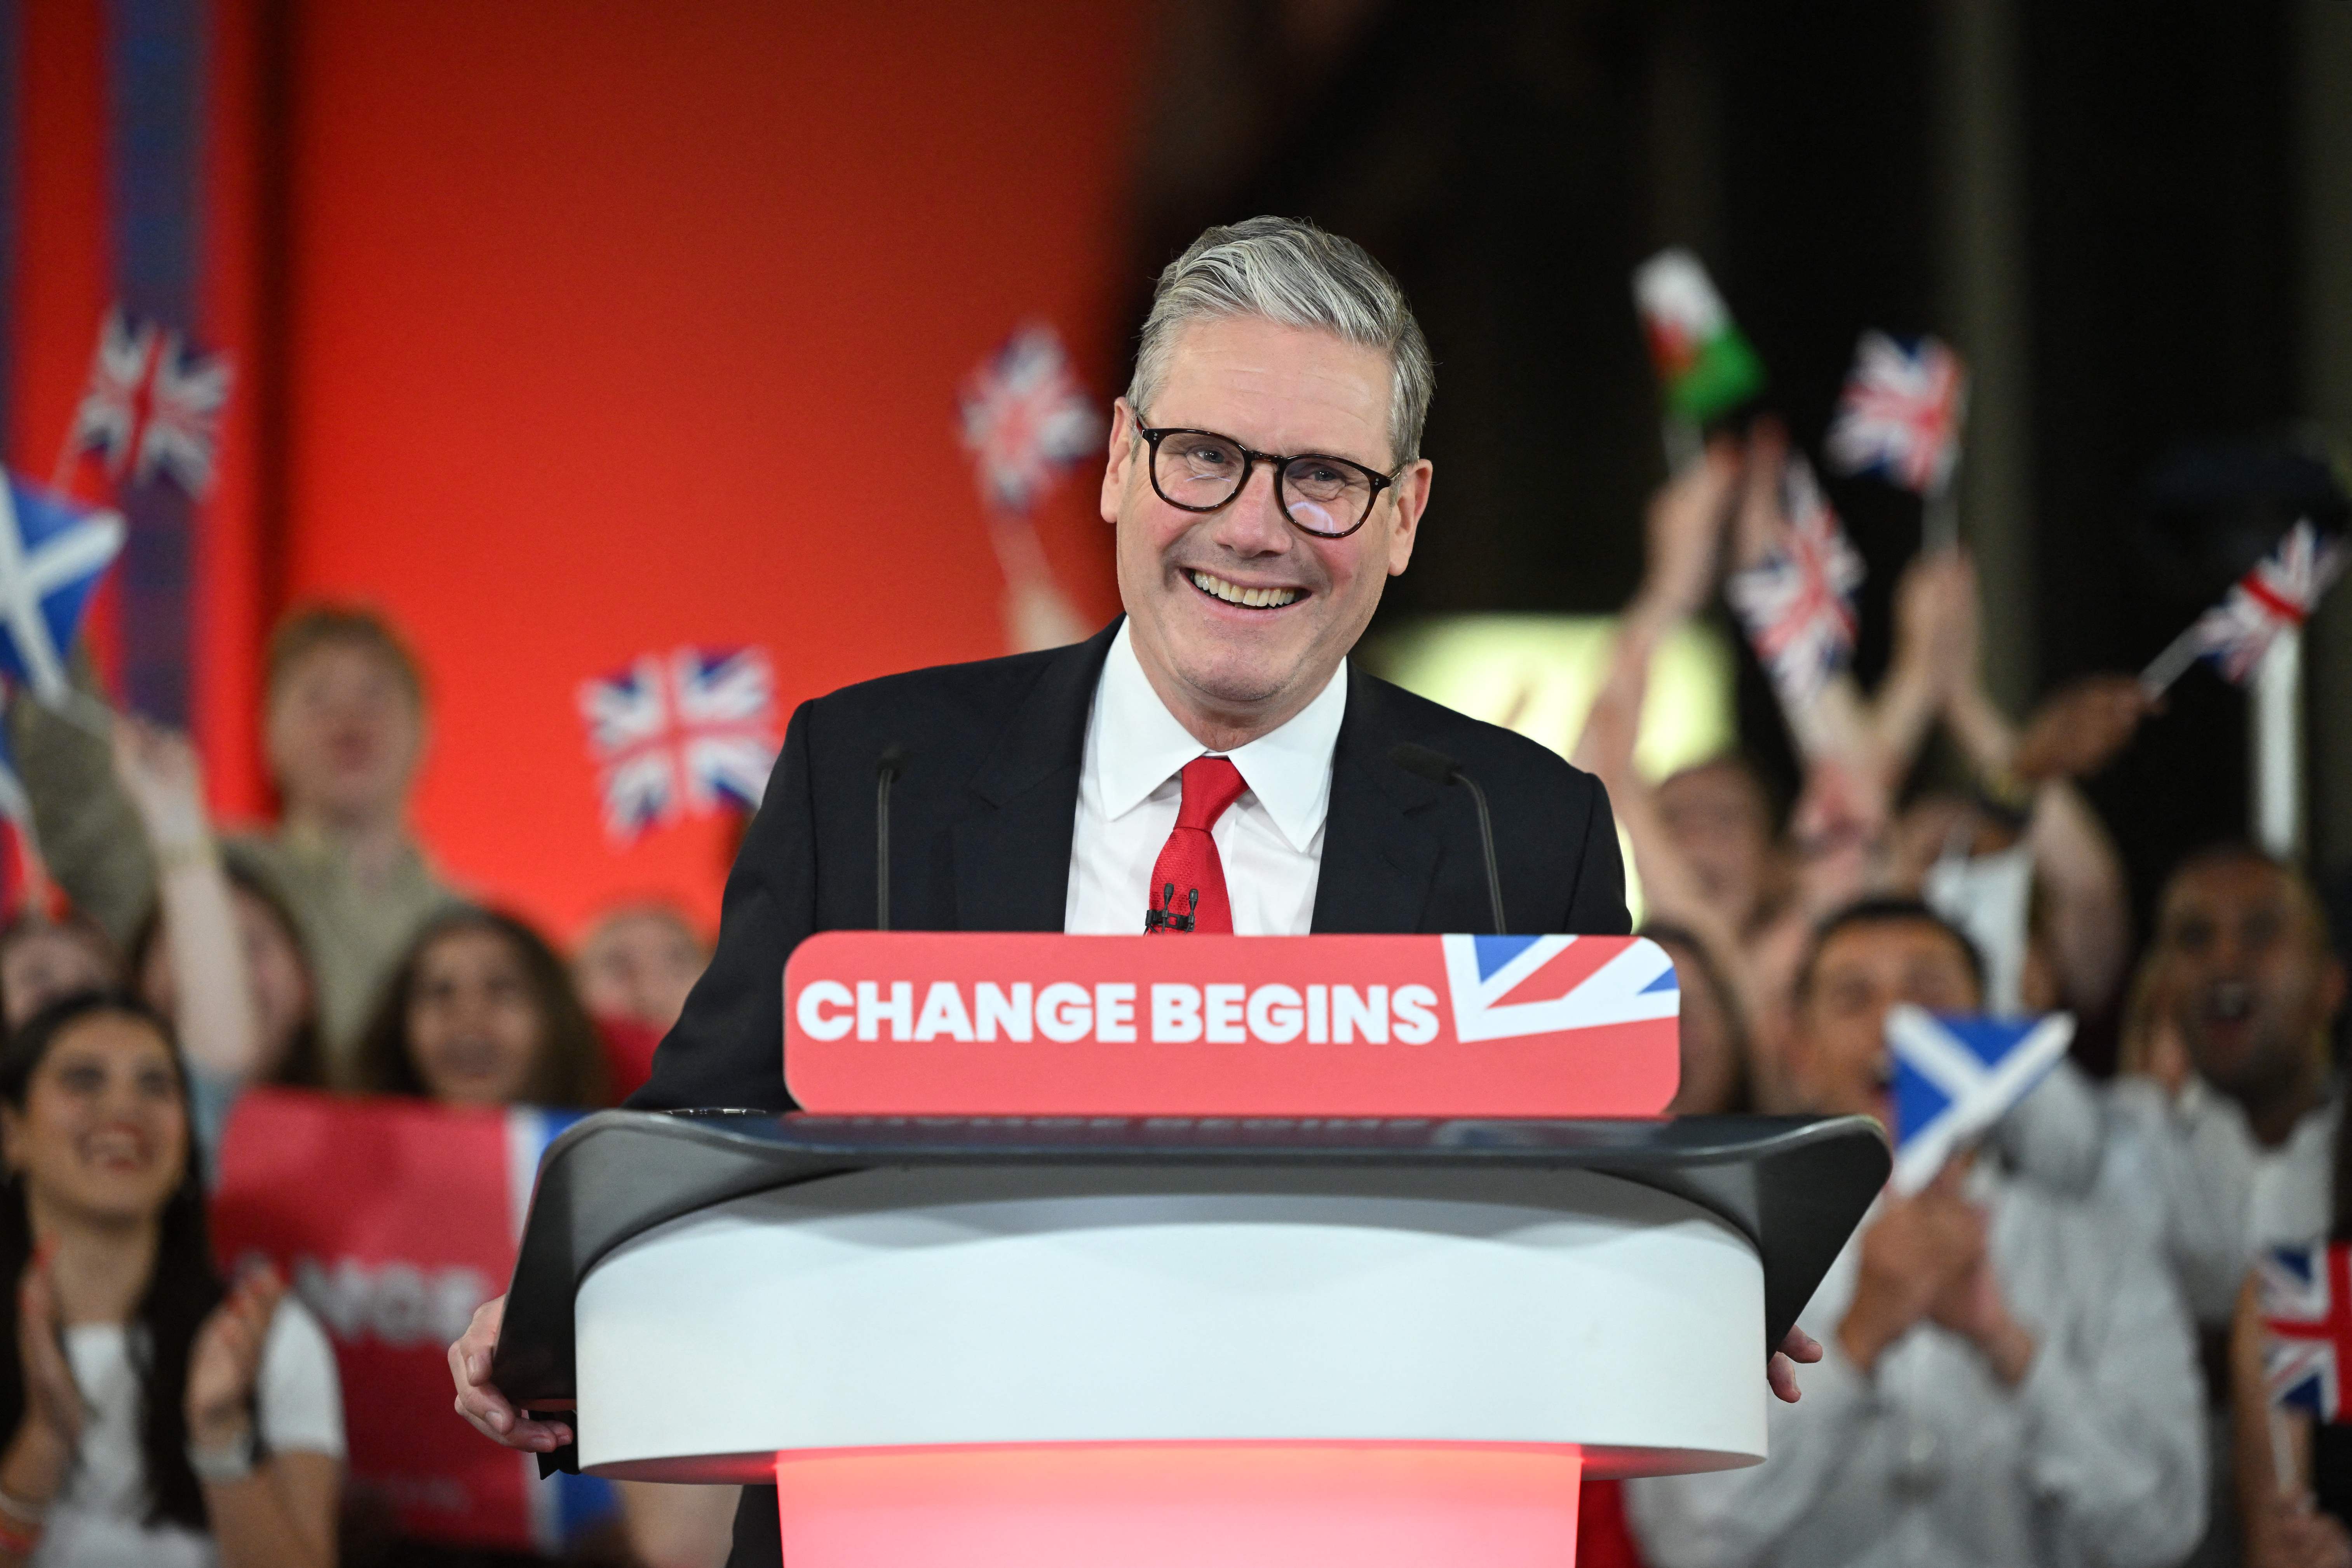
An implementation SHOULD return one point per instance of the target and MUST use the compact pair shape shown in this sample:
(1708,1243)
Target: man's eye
(1208,454)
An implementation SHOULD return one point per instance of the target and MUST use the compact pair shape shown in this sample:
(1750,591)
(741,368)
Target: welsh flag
(1705,367)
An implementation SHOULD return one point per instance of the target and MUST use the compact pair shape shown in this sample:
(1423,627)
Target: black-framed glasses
(1200,471)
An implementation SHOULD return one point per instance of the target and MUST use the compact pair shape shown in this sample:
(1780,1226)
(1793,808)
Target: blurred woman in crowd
(219,954)
(482,1012)
(152,1416)
(43,959)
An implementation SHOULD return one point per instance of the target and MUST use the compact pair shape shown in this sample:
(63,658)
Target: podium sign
(1012,1024)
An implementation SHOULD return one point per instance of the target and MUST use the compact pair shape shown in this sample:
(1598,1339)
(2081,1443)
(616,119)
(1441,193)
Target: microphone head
(891,763)
(1435,766)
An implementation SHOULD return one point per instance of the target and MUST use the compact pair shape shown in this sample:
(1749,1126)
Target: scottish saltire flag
(1025,419)
(1705,367)
(394,1266)
(52,553)
(1504,988)
(1796,603)
(691,732)
(2277,596)
(2305,1297)
(1955,1077)
(152,405)
(1901,413)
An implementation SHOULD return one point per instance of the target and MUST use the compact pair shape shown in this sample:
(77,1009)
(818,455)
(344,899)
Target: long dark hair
(569,1070)
(182,1288)
(304,1065)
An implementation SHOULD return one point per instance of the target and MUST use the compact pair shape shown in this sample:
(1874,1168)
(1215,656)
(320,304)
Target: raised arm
(211,996)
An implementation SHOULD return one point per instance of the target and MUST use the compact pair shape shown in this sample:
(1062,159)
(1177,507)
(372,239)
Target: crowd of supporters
(2053,1354)
(2049,1355)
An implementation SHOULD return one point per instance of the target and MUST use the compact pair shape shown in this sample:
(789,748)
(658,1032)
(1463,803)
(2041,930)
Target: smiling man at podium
(1210,763)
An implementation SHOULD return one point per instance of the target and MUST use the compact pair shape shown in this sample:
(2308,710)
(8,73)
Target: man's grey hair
(1287,271)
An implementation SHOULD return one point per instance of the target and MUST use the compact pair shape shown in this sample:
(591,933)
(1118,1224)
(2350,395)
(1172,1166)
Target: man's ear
(1119,456)
(1412,499)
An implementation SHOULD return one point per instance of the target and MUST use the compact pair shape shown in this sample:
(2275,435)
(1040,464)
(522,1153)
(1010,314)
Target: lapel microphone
(887,767)
(1440,769)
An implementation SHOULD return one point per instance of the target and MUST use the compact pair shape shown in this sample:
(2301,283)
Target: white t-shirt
(98,1520)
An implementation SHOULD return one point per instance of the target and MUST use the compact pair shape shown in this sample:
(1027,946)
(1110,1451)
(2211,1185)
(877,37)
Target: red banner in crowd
(395,1219)
(926,1022)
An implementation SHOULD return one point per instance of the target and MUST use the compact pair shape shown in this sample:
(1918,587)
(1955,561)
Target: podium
(1103,1340)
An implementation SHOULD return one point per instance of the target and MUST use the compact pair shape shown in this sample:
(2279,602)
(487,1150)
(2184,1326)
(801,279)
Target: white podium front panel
(1046,1304)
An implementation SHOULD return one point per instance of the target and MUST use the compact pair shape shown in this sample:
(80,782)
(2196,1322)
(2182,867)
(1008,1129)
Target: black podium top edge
(1794,1185)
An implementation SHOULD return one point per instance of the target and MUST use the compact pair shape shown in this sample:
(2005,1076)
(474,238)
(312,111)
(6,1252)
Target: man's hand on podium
(1780,1371)
(480,1403)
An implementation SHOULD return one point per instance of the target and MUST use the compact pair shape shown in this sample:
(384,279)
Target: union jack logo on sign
(2305,1300)
(152,405)
(689,731)
(1901,413)
(1796,603)
(1026,419)
(1506,987)
(2278,595)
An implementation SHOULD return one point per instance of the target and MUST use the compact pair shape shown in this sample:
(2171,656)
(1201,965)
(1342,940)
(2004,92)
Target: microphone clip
(1167,916)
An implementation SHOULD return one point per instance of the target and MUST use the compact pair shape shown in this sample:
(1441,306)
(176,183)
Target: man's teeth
(1234,594)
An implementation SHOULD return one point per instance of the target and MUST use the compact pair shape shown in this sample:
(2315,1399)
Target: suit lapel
(1012,854)
(1378,862)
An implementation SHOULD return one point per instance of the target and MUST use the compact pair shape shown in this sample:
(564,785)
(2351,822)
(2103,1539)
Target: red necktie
(1188,862)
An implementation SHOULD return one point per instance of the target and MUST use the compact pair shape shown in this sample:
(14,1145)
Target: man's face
(2247,967)
(1718,818)
(1840,1050)
(345,733)
(1285,390)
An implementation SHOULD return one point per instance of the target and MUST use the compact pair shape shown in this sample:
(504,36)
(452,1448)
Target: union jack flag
(2304,1295)
(2279,594)
(1797,602)
(1504,987)
(1901,413)
(1026,419)
(693,731)
(152,405)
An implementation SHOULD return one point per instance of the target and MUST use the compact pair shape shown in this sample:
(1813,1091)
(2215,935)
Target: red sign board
(989,1023)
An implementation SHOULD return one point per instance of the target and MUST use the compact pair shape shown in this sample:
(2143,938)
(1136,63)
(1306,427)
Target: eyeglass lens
(1322,496)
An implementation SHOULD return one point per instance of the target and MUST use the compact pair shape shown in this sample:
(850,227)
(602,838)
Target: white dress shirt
(1270,840)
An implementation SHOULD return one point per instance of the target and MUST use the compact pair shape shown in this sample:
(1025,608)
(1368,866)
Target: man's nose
(1251,523)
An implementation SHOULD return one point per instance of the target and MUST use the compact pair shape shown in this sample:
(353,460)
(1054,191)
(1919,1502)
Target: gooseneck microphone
(887,767)
(1440,769)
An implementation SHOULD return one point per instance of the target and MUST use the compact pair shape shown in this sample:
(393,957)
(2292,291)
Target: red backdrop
(574,331)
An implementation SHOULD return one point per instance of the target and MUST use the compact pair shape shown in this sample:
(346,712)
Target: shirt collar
(1135,745)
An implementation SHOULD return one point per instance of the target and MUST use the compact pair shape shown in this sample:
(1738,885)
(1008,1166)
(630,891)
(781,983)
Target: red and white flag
(152,405)
(1796,603)
(1901,413)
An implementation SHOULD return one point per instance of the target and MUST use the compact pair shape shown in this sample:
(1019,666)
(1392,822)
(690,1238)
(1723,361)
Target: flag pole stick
(2172,664)
(1681,439)
(1939,518)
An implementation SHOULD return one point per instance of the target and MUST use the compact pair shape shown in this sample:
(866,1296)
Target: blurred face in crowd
(1839,1053)
(282,997)
(2249,975)
(103,1136)
(475,1030)
(1711,1070)
(1717,818)
(1271,388)
(639,964)
(42,962)
(344,733)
